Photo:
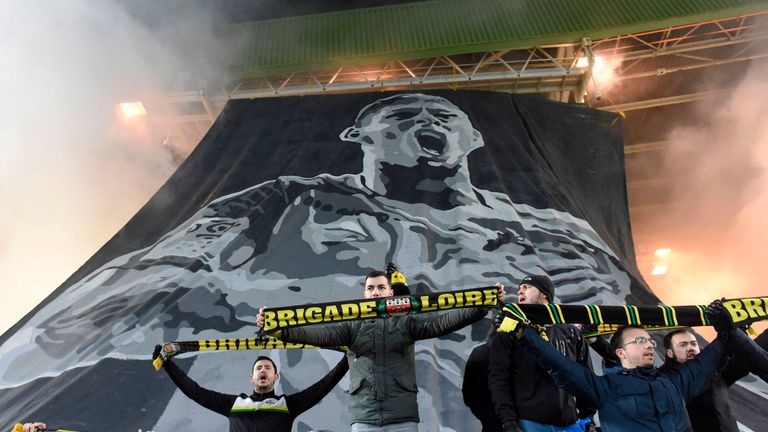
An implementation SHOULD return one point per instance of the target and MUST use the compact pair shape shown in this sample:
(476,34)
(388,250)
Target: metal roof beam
(665,71)
(651,103)
(498,77)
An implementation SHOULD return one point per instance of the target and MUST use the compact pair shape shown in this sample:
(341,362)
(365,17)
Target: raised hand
(391,268)
(34,427)
(720,318)
(260,318)
(166,350)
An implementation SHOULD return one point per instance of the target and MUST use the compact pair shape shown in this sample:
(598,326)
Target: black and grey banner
(291,201)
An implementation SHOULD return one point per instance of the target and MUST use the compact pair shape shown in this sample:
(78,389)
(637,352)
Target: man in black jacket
(711,410)
(524,395)
(475,388)
(263,410)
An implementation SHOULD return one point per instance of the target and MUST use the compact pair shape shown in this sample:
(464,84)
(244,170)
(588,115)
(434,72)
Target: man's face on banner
(414,130)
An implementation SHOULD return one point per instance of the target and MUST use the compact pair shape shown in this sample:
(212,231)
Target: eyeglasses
(641,340)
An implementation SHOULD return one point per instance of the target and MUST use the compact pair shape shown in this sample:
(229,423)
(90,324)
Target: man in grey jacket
(381,357)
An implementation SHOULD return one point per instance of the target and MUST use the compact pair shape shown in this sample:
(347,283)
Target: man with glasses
(637,398)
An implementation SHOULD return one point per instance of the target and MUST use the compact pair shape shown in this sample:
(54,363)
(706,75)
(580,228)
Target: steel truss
(553,70)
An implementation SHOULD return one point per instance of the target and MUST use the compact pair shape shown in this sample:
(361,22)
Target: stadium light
(659,269)
(583,62)
(133,109)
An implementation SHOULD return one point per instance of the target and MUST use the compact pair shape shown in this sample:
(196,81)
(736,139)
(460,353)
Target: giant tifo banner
(289,201)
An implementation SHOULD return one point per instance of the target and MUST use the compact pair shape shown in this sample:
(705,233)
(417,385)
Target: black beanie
(542,283)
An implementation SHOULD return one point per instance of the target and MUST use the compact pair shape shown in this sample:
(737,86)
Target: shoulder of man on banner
(607,319)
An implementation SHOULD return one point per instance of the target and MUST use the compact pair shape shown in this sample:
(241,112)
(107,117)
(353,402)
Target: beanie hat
(542,283)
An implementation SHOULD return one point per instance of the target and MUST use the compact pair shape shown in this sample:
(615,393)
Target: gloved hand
(398,280)
(391,268)
(511,326)
(510,426)
(720,318)
(166,351)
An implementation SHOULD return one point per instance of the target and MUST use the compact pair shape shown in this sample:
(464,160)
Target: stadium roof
(449,27)
(668,52)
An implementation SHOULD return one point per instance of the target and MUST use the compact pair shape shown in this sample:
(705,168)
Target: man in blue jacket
(637,398)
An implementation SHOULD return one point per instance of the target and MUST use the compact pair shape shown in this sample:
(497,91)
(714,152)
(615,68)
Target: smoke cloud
(718,230)
(72,171)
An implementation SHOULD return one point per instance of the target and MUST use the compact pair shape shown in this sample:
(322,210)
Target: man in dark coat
(753,351)
(475,389)
(524,395)
(711,410)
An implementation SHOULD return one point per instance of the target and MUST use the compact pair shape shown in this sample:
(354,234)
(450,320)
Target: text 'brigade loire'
(383,307)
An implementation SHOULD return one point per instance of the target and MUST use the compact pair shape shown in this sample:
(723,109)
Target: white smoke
(71,171)
(719,234)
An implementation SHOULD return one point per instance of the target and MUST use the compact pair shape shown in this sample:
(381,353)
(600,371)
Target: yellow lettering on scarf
(367,309)
(474,298)
(735,308)
(446,301)
(208,345)
(459,299)
(490,296)
(332,313)
(349,311)
(286,316)
(425,305)
(754,308)
(269,320)
(313,314)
